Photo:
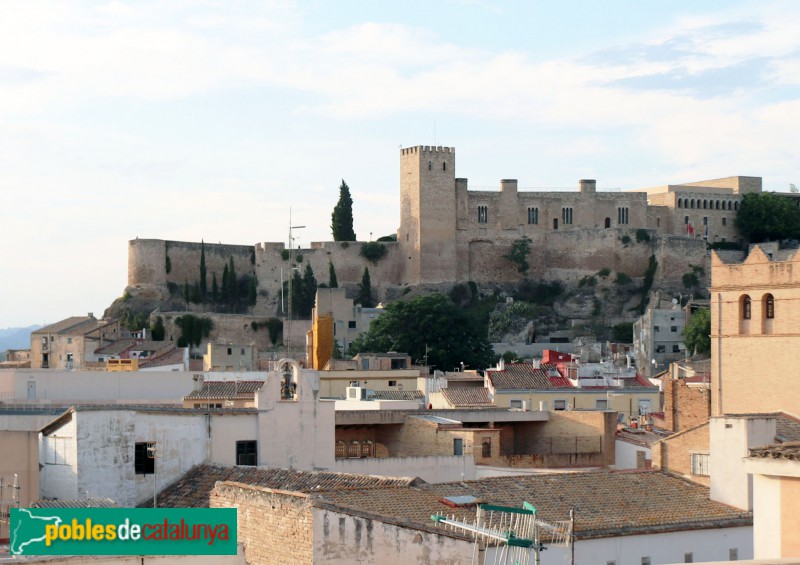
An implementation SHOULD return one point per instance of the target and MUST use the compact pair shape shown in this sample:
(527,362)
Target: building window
(559,405)
(601,404)
(705,220)
(736,206)
(533,216)
(655,329)
(241,351)
(686,220)
(230,351)
(661,348)
(458,446)
(353,383)
(69,340)
(246,452)
(680,203)
(444,166)
(769,306)
(622,215)
(486,447)
(566,216)
(515,404)
(658,222)
(646,561)
(430,165)
(676,348)
(673,329)
(724,221)
(351,324)
(733,554)
(745,307)
(483,214)
(392,383)
(688,558)
(700,464)
(143,464)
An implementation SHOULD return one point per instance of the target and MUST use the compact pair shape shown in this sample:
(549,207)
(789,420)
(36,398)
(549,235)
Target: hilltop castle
(450,234)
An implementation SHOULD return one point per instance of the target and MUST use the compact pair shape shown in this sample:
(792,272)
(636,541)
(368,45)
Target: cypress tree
(342,217)
(365,291)
(332,282)
(252,291)
(297,293)
(225,283)
(309,291)
(214,287)
(203,285)
(233,284)
(186,291)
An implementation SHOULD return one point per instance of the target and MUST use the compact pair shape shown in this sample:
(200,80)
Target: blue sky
(209,119)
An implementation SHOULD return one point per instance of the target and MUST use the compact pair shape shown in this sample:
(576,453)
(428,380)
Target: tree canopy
(697,333)
(763,216)
(429,323)
(365,291)
(342,217)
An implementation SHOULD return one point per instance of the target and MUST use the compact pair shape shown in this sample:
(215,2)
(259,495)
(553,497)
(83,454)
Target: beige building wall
(675,453)
(333,384)
(227,357)
(21,458)
(753,361)
(70,351)
(576,399)
(776,498)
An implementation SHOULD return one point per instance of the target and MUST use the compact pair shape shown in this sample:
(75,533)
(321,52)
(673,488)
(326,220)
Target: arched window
(705,204)
(367,449)
(736,206)
(730,205)
(680,203)
(717,204)
(769,306)
(744,307)
(691,203)
(354,449)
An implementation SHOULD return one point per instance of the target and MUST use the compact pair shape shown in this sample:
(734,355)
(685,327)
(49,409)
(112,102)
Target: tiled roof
(192,489)
(226,389)
(465,376)
(606,503)
(789,451)
(524,376)
(788,428)
(417,395)
(116,347)
(172,357)
(85,503)
(467,396)
(76,325)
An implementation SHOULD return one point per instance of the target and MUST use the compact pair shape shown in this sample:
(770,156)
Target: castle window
(680,203)
(724,221)
(430,165)
(533,216)
(717,204)
(686,220)
(444,166)
(622,215)
(691,204)
(745,307)
(705,220)
(769,306)
(658,222)
(483,214)
(566,215)
(736,206)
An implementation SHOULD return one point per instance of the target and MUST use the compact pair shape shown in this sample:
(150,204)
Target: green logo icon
(123,531)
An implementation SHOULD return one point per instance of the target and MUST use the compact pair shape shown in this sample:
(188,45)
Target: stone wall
(274,526)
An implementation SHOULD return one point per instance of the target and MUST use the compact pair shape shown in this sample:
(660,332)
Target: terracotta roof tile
(524,376)
(417,395)
(788,428)
(193,488)
(606,503)
(467,396)
(789,451)
(226,389)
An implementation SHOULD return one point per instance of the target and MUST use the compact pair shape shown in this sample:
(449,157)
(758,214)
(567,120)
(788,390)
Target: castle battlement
(427,149)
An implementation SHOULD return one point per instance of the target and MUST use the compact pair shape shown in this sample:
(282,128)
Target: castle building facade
(450,233)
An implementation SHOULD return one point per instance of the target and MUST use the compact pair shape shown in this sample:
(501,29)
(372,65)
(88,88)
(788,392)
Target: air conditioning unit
(356,393)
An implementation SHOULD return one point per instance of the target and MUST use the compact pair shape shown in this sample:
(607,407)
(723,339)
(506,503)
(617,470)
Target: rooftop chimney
(588,185)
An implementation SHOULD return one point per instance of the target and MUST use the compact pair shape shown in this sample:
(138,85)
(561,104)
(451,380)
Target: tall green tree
(157,330)
(429,325)
(203,285)
(252,291)
(697,333)
(332,281)
(296,293)
(233,284)
(309,291)
(342,217)
(365,291)
(763,216)
(225,282)
(214,287)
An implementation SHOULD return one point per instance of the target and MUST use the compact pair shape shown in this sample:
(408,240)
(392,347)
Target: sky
(205,119)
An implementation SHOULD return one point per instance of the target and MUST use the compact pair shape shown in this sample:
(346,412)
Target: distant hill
(16,338)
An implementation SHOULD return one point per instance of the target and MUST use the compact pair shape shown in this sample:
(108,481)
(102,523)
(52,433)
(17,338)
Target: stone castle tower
(427,214)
